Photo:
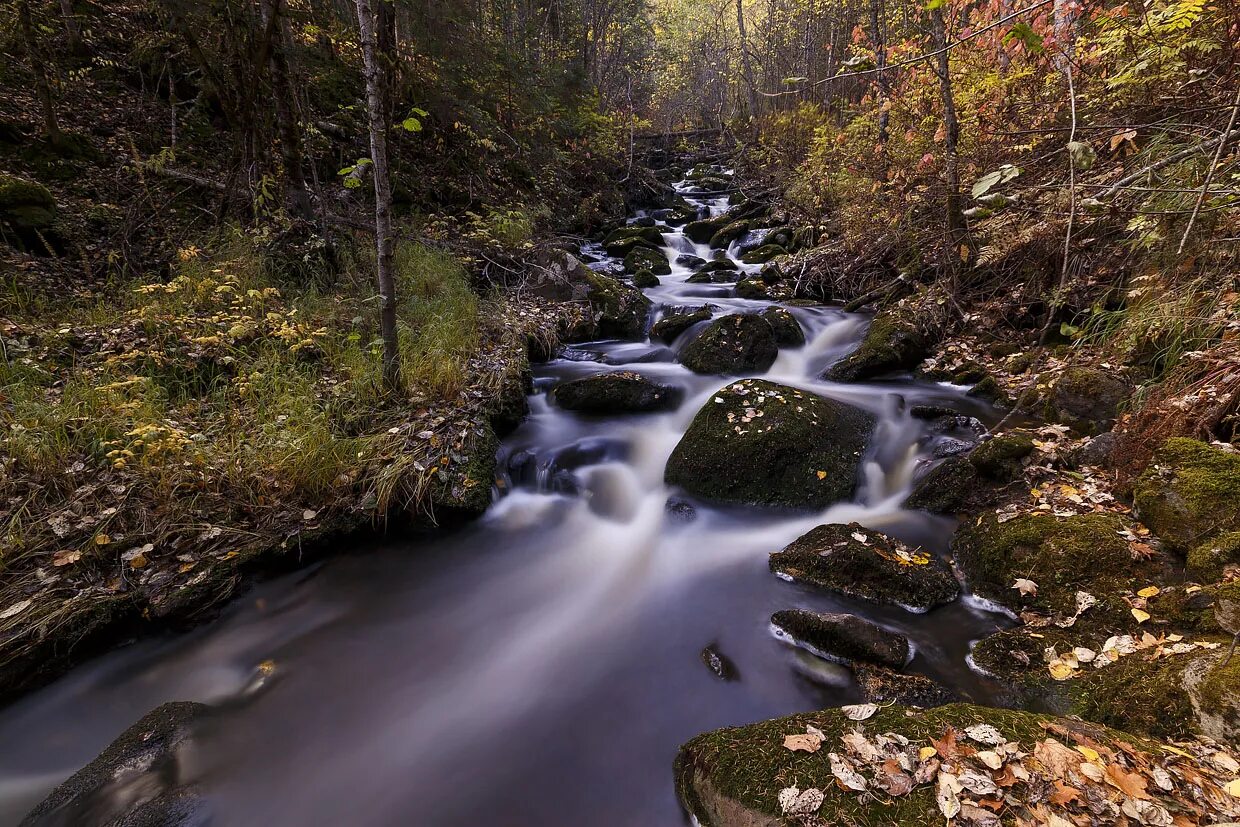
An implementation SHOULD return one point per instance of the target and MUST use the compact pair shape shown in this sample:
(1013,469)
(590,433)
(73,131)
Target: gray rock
(844,638)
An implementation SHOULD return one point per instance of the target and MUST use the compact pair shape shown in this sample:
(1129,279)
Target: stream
(542,665)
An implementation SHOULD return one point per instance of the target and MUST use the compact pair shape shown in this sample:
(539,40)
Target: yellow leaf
(102,539)
(1233,788)
(1090,754)
(1140,615)
(822,475)
(137,561)
(1060,670)
(1149,591)
(926,753)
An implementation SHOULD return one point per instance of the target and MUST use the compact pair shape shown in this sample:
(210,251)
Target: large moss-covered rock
(668,328)
(999,458)
(1063,556)
(1208,560)
(621,242)
(1087,399)
(1190,493)
(751,289)
(967,483)
(895,341)
(843,637)
(735,777)
(758,443)
(702,230)
(880,685)
(1213,686)
(763,254)
(645,258)
(619,310)
(27,212)
(787,329)
(740,343)
(645,278)
(858,562)
(138,781)
(614,393)
(728,233)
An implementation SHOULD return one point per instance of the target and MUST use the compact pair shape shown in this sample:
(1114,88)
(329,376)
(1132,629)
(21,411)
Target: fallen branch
(1170,159)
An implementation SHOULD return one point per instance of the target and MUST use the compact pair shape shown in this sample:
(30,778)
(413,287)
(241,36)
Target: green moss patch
(1190,493)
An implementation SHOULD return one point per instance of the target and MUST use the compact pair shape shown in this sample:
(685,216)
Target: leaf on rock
(802,742)
(859,712)
(845,774)
(1025,586)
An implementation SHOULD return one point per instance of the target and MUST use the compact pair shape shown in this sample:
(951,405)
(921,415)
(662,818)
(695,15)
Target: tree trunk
(1005,59)
(746,62)
(72,29)
(51,125)
(880,63)
(951,141)
(374,71)
(1064,26)
(297,194)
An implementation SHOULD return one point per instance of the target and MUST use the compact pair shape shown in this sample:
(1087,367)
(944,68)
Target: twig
(1205,187)
(1170,159)
(1057,299)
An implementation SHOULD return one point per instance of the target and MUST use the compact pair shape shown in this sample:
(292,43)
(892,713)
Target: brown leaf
(1129,783)
(892,780)
(1064,794)
(946,746)
(802,742)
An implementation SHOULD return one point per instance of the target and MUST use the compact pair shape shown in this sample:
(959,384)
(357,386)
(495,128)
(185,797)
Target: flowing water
(541,666)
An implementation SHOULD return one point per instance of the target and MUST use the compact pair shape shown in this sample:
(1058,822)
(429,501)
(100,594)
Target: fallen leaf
(947,795)
(1140,615)
(16,609)
(926,752)
(309,514)
(1233,788)
(1129,783)
(64,558)
(985,734)
(1149,591)
(991,759)
(1025,586)
(102,539)
(845,774)
(802,742)
(796,802)
(859,712)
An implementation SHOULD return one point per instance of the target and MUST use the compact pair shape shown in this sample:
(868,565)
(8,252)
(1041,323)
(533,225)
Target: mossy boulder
(763,254)
(853,560)
(619,310)
(137,780)
(728,233)
(645,258)
(758,443)
(750,289)
(1136,694)
(615,393)
(714,272)
(1062,555)
(966,483)
(740,343)
(645,278)
(1207,561)
(788,332)
(893,342)
(1087,399)
(999,458)
(844,638)
(733,777)
(1213,687)
(702,230)
(1190,493)
(620,242)
(668,328)
(27,212)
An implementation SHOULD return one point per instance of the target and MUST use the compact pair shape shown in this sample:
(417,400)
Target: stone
(787,329)
(645,278)
(750,289)
(1087,399)
(894,342)
(880,685)
(619,310)
(615,393)
(1190,493)
(856,561)
(668,328)
(758,443)
(844,638)
(739,343)
(763,254)
(646,258)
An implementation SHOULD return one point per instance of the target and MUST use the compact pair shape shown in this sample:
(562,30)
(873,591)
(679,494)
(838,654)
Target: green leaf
(1083,155)
(422,113)
(935,4)
(1023,32)
(411,125)
(1002,175)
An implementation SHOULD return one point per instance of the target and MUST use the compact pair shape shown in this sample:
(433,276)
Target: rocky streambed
(704,522)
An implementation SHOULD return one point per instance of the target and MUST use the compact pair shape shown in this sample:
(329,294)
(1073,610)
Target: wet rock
(752,240)
(1190,493)
(763,254)
(844,638)
(884,686)
(702,230)
(1213,686)
(719,663)
(728,233)
(758,443)
(645,278)
(714,272)
(750,289)
(619,310)
(740,343)
(950,487)
(691,261)
(26,207)
(989,390)
(621,242)
(1098,452)
(771,274)
(645,258)
(615,393)
(858,562)
(1087,399)
(895,341)
(136,782)
(679,510)
(1063,556)
(671,326)
(559,276)
(787,329)
(999,458)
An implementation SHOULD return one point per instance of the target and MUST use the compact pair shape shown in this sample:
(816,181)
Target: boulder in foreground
(976,766)
(758,443)
(740,343)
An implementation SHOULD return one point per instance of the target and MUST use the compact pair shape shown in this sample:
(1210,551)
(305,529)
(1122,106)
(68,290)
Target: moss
(670,327)
(465,492)
(1138,695)
(1193,611)
(728,233)
(844,637)
(1206,561)
(645,278)
(989,390)
(619,242)
(948,488)
(795,449)
(1213,684)
(739,343)
(645,258)
(1063,556)
(856,561)
(788,332)
(703,230)
(1086,399)
(744,768)
(751,289)
(1000,458)
(25,205)
(613,393)
(1190,493)
(763,254)
(892,343)
(619,310)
